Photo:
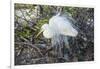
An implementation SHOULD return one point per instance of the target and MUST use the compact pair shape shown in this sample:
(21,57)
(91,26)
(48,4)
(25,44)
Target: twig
(24,16)
(29,44)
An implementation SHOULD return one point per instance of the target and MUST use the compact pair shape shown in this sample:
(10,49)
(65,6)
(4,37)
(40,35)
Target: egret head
(44,27)
(47,33)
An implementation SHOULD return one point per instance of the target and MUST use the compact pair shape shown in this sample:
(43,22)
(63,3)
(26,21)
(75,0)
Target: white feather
(59,25)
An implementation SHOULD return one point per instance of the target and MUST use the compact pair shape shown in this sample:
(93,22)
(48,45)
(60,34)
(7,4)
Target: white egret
(58,29)
(58,25)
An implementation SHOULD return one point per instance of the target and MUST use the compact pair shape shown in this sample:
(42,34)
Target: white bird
(57,30)
(58,25)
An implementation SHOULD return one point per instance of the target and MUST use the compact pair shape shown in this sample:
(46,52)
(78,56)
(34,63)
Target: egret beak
(39,33)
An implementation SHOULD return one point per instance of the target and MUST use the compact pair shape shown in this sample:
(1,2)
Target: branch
(29,44)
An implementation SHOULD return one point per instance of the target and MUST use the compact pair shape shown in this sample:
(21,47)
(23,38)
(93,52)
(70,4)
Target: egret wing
(63,26)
